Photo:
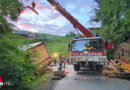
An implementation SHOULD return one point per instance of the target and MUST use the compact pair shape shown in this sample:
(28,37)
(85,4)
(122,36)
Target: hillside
(54,44)
(40,35)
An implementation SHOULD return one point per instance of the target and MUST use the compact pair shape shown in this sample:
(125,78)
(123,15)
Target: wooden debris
(109,73)
(58,74)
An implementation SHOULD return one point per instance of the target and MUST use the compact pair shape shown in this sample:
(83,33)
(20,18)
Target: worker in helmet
(88,47)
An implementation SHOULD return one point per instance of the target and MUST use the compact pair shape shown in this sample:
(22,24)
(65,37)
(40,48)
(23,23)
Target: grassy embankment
(55,44)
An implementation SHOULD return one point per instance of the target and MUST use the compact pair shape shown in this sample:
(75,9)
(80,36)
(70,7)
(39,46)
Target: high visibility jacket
(87,48)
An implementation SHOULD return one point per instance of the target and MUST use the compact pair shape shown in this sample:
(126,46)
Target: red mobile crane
(83,56)
(72,20)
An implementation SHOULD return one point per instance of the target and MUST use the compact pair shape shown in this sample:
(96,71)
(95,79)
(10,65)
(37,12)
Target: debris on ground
(109,72)
(59,74)
(121,70)
(115,73)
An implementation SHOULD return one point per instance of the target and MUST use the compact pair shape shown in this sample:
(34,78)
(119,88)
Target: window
(87,45)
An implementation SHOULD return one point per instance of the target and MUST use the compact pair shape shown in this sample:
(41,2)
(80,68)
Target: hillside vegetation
(16,67)
(55,44)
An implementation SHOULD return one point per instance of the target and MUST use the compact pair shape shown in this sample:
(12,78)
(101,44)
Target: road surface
(89,81)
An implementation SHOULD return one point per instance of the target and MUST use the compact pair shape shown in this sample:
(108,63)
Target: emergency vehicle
(93,58)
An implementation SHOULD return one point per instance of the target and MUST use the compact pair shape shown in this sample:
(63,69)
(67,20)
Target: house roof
(20,32)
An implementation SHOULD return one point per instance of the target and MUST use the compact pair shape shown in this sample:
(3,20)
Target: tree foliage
(9,9)
(71,34)
(15,65)
(114,16)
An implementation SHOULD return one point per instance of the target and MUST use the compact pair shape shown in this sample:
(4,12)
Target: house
(26,34)
(94,30)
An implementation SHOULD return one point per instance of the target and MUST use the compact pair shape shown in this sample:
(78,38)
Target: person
(61,61)
(64,63)
(88,47)
(68,61)
(54,61)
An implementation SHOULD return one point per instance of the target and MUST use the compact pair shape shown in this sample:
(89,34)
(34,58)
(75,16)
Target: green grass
(58,45)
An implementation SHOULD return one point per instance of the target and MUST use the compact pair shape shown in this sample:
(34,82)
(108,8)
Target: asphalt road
(89,81)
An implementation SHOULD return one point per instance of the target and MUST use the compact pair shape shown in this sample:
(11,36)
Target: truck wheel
(76,67)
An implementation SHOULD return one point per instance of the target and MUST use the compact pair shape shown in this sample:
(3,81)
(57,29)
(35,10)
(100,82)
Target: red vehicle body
(82,58)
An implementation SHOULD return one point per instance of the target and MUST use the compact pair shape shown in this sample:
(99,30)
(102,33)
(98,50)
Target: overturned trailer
(39,54)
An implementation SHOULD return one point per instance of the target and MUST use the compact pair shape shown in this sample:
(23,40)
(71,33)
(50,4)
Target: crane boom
(72,20)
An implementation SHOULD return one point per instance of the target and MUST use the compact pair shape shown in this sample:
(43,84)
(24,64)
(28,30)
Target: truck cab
(88,53)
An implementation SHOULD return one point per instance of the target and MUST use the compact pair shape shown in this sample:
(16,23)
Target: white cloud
(60,21)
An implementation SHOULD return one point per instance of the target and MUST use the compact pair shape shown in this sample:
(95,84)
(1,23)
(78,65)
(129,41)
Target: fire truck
(85,53)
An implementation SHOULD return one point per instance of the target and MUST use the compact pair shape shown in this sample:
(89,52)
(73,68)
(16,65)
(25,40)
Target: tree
(15,65)
(10,9)
(71,34)
(114,16)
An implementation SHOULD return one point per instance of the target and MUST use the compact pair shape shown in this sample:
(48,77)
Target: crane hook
(33,5)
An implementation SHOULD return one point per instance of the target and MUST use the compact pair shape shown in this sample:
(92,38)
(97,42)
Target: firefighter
(64,62)
(61,61)
(54,61)
(88,47)
(68,61)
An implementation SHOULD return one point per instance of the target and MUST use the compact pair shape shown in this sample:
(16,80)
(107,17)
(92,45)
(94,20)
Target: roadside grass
(39,82)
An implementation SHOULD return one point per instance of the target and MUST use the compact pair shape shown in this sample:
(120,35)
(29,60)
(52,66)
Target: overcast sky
(51,21)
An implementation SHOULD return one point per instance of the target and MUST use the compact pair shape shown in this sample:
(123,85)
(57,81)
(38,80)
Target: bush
(15,65)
